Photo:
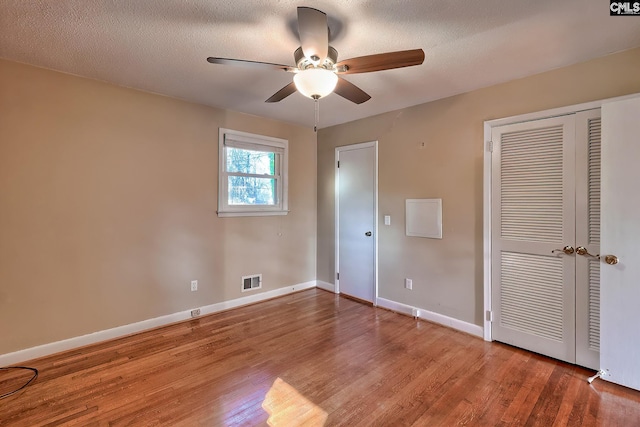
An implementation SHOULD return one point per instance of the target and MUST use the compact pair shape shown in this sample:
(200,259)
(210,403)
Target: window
(252,179)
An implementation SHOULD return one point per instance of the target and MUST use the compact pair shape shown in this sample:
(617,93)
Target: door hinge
(338,163)
(337,276)
(489,316)
(490,146)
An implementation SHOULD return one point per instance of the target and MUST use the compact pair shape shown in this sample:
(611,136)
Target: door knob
(581,250)
(611,259)
(368,234)
(567,250)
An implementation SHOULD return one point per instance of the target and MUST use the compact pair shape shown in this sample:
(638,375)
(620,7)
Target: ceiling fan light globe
(315,82)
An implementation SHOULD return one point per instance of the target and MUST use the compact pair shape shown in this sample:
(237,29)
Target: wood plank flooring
(310,359)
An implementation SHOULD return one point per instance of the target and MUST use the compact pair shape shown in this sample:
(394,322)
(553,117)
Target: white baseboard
(326,286)
(441,319)
(120,331)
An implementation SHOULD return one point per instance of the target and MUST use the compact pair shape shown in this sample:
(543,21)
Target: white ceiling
(162,46)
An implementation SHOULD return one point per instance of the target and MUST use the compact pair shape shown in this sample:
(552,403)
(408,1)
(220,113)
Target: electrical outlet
(408,283)
(194,285)
(195,312)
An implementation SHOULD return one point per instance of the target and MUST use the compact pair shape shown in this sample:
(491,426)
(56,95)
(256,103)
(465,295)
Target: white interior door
(588,166)
(620,283)
(356,214)
(533,218)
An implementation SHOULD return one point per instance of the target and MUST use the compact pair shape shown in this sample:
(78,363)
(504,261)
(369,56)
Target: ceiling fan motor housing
(302,62)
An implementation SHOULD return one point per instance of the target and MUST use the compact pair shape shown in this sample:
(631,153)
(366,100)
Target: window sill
(250,213)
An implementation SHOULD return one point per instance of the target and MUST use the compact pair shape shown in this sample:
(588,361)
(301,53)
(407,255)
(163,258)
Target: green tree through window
(251,190)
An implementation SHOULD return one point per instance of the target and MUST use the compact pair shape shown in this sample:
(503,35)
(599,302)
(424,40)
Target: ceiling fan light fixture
(315,83)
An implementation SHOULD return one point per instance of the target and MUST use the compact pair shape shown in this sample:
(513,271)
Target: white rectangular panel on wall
(424,218)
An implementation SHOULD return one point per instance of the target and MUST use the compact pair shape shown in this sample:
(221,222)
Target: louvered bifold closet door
(533,188)
(588,236)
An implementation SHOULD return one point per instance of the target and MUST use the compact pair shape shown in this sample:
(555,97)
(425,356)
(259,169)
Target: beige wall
(108,203)
(447,274)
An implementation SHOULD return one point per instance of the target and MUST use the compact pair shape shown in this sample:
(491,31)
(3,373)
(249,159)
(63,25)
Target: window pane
(250,161)
(245,190)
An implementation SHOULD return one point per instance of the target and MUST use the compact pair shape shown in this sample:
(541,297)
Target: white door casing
(356,220)
(620,236)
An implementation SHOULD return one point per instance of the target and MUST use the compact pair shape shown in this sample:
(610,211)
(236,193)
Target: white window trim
(278,145)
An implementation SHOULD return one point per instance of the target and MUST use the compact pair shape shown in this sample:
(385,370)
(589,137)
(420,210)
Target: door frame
(487,196)
(375,214)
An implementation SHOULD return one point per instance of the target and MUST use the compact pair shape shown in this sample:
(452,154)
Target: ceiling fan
(317,68)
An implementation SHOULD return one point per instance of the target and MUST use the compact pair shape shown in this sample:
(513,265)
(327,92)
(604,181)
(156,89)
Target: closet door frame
(487,187)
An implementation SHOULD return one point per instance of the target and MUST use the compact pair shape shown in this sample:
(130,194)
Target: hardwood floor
(310,358)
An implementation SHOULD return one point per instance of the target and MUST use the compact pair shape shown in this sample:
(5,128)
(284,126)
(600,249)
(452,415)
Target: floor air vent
(251,282)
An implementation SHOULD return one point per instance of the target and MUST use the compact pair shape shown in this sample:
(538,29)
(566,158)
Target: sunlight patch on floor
(287,407)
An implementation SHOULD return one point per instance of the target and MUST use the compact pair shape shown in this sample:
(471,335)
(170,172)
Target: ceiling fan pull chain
(317,114)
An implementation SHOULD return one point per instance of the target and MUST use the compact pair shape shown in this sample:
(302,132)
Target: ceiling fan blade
(314,33)
(282,93)
(251,64)
(351,92)
(381,61)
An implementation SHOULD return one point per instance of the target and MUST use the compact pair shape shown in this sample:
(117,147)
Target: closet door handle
(567,250)
(581,250)
(609,259)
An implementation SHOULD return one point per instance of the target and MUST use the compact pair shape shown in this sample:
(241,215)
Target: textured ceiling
(162,46)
